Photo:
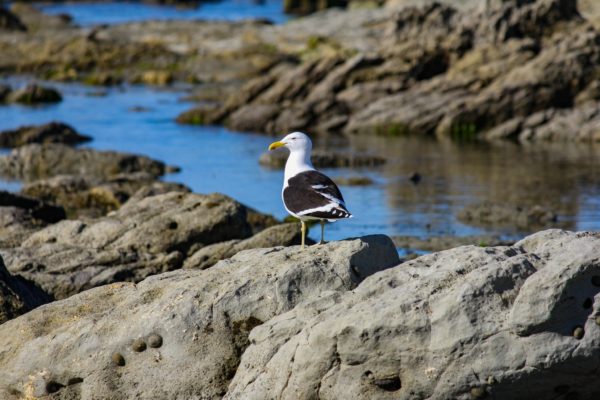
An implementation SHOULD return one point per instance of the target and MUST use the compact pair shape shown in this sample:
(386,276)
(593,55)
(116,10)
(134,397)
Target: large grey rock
(18,295)
(35,161)
(141,238)
(506,322)
(67,348)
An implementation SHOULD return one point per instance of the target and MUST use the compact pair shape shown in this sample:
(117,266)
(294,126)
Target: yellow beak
(276,145)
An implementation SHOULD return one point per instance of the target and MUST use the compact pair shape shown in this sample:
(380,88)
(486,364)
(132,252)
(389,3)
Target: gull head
(293,141)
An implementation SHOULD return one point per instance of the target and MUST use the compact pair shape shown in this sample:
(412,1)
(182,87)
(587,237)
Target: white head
(299,158)
(295,141)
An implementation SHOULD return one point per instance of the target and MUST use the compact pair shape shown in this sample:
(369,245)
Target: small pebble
(598,321)
(118,359)
(155,340)
(478,392)
(415,177)
(138,345)
(578,332)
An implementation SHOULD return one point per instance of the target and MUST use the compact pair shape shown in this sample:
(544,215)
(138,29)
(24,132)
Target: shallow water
(114,12)
(563,177)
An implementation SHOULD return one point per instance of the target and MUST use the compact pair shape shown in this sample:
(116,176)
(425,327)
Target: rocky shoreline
(116,284)
(336,320)
(360,71)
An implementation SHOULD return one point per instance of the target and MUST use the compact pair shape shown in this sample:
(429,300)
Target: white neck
(298,161)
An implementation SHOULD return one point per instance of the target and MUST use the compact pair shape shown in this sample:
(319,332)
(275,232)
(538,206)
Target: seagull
(308,194)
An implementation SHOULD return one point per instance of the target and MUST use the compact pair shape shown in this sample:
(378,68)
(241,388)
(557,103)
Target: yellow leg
(303,232)
(322,232)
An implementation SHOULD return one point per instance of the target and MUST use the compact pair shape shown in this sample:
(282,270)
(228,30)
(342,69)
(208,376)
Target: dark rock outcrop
(53,132)
(18,295)
(10,22)
(33,162)
(34,94)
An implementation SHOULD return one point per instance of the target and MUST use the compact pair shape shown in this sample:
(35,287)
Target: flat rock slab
(178,335)
(142,238)
(516,322)
(35,161)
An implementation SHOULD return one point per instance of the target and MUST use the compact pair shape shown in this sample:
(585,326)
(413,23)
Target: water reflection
(562,177)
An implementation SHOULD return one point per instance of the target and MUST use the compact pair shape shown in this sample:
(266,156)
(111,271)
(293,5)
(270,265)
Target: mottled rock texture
(141,238)
(513,322)
(195,324)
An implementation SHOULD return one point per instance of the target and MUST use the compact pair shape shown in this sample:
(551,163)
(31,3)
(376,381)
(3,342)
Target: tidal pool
(562,177)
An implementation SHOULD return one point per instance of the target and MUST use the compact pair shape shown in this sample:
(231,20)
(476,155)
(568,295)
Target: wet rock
(439,243)
(18,295)
(39,210)
(324,159)
(35,20)
(53,132)
(34,94)
(203,316)
(488,214)
(33,162)
(10,22)
(287,234)
(141,238)
(303,7)
(4,92)
(94,197)
(516,304)
(354,181)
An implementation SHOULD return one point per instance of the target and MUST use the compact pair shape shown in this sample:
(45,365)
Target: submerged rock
(202,317)
(142,238)
(34,94)
(439,243)
(18,295)
(33,162)
(488,214)
(53,132)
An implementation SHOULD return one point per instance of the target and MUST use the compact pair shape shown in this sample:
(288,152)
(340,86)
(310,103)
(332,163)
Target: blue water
(215,159)
(115,12)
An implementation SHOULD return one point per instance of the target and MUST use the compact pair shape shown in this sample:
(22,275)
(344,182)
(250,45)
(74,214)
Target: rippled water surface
(114,12)
(562,177)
